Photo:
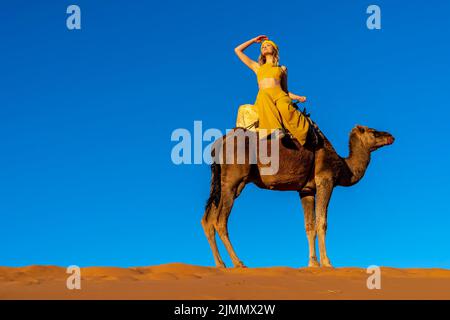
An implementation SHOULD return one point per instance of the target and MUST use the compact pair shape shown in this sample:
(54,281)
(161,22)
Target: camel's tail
(214,195)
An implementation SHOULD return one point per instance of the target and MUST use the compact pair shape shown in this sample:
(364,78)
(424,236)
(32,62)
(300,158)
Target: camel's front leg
(323,195)
(308,211)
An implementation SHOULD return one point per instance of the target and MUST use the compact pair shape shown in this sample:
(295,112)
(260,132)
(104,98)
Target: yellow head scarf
(270,42)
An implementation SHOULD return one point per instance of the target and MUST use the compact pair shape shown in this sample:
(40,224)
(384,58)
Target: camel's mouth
(390,140)
(385,141)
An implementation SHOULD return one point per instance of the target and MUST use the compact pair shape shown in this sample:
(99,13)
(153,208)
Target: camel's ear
(360,128)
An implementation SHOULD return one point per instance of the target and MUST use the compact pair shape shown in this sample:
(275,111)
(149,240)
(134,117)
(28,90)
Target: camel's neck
(358,159)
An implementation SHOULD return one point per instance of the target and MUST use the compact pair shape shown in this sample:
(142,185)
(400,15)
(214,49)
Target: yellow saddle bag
(247,117)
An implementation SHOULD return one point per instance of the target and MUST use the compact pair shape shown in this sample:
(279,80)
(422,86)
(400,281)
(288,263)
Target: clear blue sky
(86,117)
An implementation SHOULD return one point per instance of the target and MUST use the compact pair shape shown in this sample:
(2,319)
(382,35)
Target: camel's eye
(377,134)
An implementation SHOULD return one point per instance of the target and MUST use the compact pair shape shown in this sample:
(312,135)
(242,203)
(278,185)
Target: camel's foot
(313,263)
(240,264)
(220,264)
(326,263)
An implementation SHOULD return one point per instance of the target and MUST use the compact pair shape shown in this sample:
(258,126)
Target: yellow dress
(275,109)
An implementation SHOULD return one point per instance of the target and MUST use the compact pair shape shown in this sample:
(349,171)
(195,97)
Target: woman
(274,101)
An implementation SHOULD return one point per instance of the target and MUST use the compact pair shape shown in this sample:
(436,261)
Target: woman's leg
(293,120)
(268,114)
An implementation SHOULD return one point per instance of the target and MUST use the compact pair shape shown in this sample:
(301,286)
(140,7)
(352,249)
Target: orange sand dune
(183,281)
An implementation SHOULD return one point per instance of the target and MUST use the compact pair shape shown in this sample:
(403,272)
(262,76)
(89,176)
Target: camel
(313,172)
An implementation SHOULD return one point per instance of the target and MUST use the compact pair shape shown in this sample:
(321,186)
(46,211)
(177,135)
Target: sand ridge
(184,281)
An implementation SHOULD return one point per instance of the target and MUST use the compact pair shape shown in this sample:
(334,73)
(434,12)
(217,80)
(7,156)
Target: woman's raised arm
(239,50)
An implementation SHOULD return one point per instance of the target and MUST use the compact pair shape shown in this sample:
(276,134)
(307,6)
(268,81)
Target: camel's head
(372,138)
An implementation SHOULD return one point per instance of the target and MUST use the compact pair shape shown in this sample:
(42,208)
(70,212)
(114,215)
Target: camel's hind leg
(211,211)
(228,180)
(208,221)
(226,204)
